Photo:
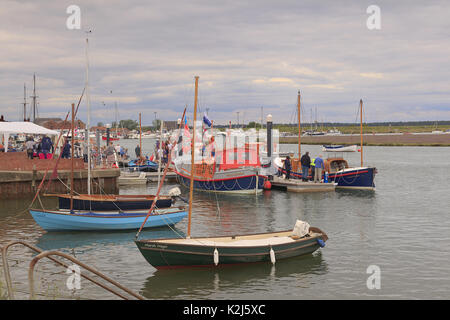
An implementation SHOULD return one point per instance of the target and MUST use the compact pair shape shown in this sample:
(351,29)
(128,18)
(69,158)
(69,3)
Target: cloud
(247,56)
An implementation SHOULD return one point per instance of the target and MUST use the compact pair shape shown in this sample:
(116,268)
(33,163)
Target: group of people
(41,149)
(316,165)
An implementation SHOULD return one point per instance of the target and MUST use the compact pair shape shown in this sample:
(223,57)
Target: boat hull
(239,184)
(162,254)
(108,205)
(148,166)
(351,178)
(65,221)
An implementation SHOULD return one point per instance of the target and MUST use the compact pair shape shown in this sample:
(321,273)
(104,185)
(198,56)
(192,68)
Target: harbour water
(402,228)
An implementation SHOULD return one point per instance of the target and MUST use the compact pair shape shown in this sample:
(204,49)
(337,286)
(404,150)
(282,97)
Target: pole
(160,153)
(88,117)
(71,158)
(140,138)
(299,126)
(24,102)
(361,108)
(34,97)
(191,184)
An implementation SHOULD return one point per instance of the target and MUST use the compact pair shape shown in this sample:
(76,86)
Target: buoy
(267,185)
(216,257)
(272,255)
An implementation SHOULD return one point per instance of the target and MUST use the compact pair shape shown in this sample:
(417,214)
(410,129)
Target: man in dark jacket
(287,167)
(46,145)
(306,162)
(66,150)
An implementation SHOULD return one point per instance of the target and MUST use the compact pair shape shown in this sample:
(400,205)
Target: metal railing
(49,255)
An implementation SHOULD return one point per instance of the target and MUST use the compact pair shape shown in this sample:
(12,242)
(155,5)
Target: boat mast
(191,185)
(299,126)
(140,138)
(24,102)
(361,106)
(88,115)
(160,153)
(34,97)
(71,158)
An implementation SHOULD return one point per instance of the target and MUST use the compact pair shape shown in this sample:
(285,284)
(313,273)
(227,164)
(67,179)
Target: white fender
(272,255)
(216,257)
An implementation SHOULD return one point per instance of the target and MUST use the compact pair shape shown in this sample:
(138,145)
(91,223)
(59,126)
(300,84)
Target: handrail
(48,254)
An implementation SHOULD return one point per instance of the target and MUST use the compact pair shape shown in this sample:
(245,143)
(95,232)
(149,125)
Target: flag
(186,128)
(206,120)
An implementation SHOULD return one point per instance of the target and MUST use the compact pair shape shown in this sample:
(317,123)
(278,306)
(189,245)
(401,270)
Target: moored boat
(340,148)
(64,220)
(226,250)
(213,251)
(100,202)
(146,165)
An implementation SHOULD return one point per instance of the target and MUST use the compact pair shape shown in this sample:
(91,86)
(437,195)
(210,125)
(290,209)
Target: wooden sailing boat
(337,167)
(212,251)
(115,219)
(108,202)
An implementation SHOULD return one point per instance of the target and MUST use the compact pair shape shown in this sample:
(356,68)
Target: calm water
(403,228)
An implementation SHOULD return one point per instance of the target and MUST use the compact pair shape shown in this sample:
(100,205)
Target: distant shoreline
(394,140)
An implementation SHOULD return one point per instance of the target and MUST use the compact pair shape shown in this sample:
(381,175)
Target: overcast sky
(248,54)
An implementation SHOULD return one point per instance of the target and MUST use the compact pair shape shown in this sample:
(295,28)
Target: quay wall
(20,177)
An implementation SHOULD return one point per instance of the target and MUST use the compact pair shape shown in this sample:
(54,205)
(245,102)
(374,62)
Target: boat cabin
(335,164)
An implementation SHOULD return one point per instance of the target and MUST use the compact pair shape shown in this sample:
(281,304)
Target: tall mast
(361,106)
(88,100)
(71,158)
(160,146)
(140,137)
(34,97)
(191,184)
(24,102)
(299,126)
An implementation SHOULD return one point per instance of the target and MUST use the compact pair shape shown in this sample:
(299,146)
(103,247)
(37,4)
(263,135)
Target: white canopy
(7,128)
(24,127)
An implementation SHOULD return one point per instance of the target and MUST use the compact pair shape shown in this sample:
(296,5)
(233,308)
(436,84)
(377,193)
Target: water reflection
(90,240)
(200,283)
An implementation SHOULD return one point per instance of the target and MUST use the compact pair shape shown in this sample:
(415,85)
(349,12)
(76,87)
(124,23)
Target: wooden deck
(295,185)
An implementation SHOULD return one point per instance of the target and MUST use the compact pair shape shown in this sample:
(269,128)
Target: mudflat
(405,139)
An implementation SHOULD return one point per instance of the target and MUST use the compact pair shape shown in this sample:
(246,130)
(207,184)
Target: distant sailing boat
(212,251)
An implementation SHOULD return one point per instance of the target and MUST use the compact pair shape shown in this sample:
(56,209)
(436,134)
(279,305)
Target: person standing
(287,167)
(312,166)
(66,150)
(319,165)
(46,145)
(138,152)
(109,153)
(29,145)
(306,163)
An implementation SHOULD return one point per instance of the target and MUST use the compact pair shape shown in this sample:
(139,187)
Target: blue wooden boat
(147,165)
(64,220)
(107,202)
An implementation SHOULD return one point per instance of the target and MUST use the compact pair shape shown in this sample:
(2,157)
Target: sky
(252,57)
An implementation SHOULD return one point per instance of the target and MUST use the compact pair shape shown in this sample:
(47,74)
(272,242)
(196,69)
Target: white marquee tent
(7,128)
